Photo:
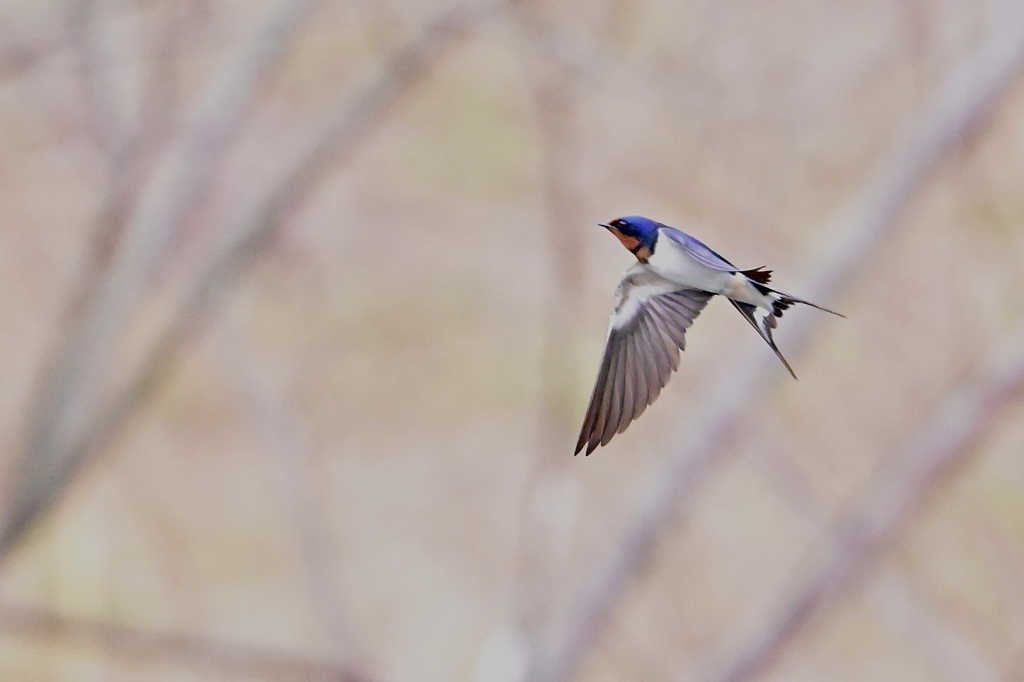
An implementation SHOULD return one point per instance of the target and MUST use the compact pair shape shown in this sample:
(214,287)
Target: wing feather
(646,331)
(653,366)
(601,397)
(627,386)
(594,409)
(613,403)
(640,366)
(668,342)
(656,346)
(675,337)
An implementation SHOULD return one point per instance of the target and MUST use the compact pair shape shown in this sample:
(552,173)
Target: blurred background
(303,301)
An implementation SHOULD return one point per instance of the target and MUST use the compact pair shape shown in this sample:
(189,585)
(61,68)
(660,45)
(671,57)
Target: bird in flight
(656,301)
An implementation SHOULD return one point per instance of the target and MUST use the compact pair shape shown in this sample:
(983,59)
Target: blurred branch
(856,231)
(19,55)
(72,389)
(212,656)
(555,101)
(106,126)
(133,163)
(53,453)
(160,90)
(950,655)
(941,444)
(293,472)
(893,599)
(589,61)
(17,59)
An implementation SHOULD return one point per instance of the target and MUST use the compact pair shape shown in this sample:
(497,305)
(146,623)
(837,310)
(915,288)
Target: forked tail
(763,321)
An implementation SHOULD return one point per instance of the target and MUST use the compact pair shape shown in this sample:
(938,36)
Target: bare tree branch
(105,124)
(17,59)
(943,442)
(293,472)
(55,450)
(160,89)
(856,231)
(555,101)
(132,164)
(949,654)
(67,403)
(205,654)
(891,595)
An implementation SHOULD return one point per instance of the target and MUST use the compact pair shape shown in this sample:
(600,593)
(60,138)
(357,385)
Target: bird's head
(638,234)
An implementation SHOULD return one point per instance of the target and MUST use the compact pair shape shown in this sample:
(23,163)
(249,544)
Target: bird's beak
(607,227)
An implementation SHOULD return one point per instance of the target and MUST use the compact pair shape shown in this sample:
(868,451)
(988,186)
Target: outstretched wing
(646,332)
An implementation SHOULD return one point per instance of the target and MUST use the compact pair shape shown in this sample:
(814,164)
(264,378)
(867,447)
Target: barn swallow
(656,301)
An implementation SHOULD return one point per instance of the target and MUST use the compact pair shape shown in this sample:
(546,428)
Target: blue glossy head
(635,232)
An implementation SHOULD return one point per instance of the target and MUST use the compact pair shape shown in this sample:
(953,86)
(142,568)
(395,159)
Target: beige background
(302,303)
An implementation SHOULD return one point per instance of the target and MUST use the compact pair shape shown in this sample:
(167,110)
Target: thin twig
(160,91)
(105,125)
(950,655)
(292,470)
(555,101)
(17,59)
(130,168)
(940,445)
(858,230)
(212,656)
(891,596)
